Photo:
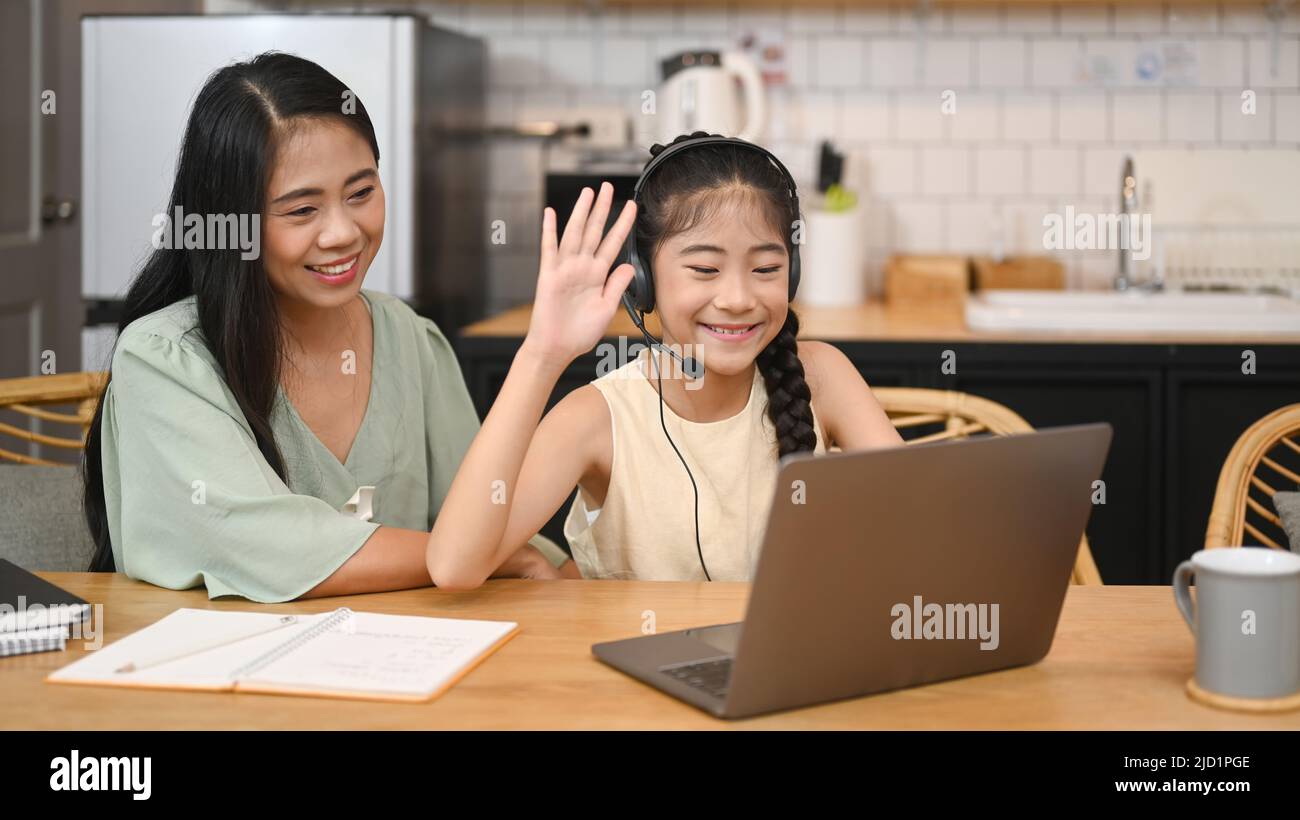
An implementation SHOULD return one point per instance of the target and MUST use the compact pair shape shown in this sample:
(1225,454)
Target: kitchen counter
(874,321)
(1177,402)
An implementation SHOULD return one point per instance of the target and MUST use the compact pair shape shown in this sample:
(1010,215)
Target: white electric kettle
(699,94)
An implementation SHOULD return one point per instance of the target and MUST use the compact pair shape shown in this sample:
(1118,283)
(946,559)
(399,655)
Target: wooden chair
(959,415)
(29,396)
(1270,448)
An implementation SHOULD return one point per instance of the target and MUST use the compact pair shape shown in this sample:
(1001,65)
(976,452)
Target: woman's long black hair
(239,119)
(685,192)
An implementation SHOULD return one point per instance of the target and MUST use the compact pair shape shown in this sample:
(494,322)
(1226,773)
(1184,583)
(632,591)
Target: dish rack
(1222,219)
(1263,259)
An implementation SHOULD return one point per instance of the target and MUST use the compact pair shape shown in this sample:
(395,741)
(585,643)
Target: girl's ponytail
(789,401)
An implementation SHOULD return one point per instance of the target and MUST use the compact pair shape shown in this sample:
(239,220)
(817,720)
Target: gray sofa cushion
(42,528)
(1288,509)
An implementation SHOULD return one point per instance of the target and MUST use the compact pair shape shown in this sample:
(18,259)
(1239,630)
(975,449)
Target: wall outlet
(609,127)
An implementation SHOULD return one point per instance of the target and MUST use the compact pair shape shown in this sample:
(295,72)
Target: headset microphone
(692,368)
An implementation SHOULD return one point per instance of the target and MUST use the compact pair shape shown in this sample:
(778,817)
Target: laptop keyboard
(710,676)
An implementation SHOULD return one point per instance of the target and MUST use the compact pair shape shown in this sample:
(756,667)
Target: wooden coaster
(1238,704)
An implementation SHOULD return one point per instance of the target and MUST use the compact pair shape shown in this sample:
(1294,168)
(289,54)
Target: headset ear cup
(635,295)
(647,291)
(794,273)
(642,286)
(640,289)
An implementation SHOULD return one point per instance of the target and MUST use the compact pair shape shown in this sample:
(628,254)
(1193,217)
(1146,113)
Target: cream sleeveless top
(645,530)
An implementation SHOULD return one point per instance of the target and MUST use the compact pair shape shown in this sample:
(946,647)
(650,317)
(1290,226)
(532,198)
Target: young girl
(715,232)
(253,401)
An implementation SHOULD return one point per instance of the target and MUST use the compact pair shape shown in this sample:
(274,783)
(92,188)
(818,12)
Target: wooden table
(1119,661)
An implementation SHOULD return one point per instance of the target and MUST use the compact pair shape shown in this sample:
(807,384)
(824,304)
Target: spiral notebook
(48,639)
(339,654)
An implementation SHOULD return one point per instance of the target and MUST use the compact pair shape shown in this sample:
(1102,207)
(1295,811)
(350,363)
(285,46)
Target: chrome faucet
(1128,205)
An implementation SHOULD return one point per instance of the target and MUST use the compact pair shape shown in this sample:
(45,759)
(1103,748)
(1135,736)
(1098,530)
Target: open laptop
(889,568)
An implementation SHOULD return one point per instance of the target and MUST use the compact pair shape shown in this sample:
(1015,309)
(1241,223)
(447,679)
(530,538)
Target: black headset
(640,295)
(639,298)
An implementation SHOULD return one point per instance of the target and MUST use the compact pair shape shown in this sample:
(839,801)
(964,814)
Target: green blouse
(192,501)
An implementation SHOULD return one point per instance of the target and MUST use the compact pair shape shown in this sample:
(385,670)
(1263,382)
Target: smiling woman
(251,401)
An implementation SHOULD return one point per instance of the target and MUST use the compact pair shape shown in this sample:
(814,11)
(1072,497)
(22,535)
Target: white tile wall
(840,62)
(947,63)
(1055,62)
(1054,170)
(1028,117)
(893,63)
(974,19)
(1031,19)
(866,20)
(1049,99)
(945,170)
(816,20)
(1084,19)
(1269,70)
(1286,122)
(918,116)
(1190,117)
(1137,117)
(1234,20)
(1183,19)
(1142,20)
(865,116)
(1000,171)
(1105,60)
(1220,63)
(1022,225)
(818,117)
(800,61)
(1082,116)
(889,170)
(625,61)
(1101,168)
(969,225)
(1001,62)
(1240,127)
(919,225)
(976,118)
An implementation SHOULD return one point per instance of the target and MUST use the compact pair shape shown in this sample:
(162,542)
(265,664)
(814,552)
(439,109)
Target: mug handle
(1183,593)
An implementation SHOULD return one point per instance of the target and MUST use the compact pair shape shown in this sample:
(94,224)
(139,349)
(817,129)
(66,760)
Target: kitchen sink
(1132,311)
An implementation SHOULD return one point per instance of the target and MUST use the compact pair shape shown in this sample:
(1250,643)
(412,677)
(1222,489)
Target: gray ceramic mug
(1246,620)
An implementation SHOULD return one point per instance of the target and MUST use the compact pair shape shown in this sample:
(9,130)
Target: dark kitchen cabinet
(1130,401)
(1208,407)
